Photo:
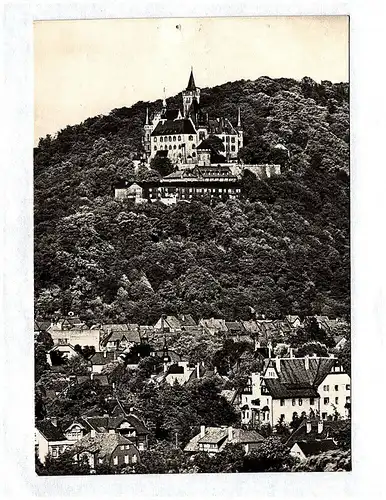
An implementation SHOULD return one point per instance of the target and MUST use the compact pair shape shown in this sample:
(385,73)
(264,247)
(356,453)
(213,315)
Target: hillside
(283,248)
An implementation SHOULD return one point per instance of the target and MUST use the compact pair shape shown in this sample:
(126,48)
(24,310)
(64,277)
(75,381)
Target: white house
(49,440)
(335,393)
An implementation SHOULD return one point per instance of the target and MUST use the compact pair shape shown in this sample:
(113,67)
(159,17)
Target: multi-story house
(335,393)
(293,386)
(49,440)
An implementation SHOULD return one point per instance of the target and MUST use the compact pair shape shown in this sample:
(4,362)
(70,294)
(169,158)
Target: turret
(191,92)
(147,133)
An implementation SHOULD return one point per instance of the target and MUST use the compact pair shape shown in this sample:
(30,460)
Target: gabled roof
(234,327)
(214,435)
(214,324)
(243,436)
(103,358)
(310,448)
(106,423)
(182,126)
(50,431)
(301,434)
(186,320)
(295,380)
(103,444)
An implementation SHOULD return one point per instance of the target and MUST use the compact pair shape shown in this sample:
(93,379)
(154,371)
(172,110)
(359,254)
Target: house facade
(294,386)
(49,440)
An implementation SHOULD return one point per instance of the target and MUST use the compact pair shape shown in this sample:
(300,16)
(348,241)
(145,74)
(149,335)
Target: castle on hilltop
(181,135)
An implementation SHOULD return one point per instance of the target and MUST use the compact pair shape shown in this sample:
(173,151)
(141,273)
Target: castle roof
(184,126)
(191,83)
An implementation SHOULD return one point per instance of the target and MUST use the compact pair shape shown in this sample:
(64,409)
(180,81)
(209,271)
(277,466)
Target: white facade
(45,448)
(81,337)
(335,393)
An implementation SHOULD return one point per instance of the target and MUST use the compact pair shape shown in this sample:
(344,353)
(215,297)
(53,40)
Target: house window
(174,147)
(174,138)
(161,139)
(347,387)
(155,139)
(54,452)
(300,401)
(227,138)
(179,137)
(337,387)
(122,447)
(193,145)
(233,148)
(193,154)
(141,446)
(126,459)
(312,401)
(282,402)
(326,401)
(155,148)
(347,399)
(336,400)
(293,402)
(115,460)
(233,139)
(324,415)
(326,387)
(170,138)
(134,459)
(282,416)
(190,138)
(170,146)
(100,461)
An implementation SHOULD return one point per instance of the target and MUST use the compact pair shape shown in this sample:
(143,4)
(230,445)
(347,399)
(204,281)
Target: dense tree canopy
(283,248)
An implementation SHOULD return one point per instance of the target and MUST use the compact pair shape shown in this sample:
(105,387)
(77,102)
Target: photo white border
(368,292)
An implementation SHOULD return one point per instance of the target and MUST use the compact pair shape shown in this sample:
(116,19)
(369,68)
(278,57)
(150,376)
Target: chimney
(277,361)
(198,370)
(230,433)
(104,354)
(320,426)
(306,362)
(202,431)
(92,433)
(308,427)
(54,421)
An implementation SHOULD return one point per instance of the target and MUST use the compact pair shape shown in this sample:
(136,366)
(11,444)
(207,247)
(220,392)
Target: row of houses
(117,337)
(111,440)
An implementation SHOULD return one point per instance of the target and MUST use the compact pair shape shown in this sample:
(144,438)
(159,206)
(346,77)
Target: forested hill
(283,249)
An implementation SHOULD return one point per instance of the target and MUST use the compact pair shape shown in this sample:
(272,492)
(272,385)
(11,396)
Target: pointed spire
(147,116)
(191,84)
(239,118)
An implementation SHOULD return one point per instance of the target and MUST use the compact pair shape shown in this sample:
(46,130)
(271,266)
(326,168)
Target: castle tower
(146,138)
(240,132)
(189,94)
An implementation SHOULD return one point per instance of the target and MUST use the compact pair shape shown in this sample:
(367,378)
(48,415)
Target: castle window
(190,138)
(174,138)
(160,139)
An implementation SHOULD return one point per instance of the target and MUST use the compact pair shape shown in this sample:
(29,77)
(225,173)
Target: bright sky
(89,67)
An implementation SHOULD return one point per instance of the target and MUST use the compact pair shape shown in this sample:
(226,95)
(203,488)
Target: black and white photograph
(191,232)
